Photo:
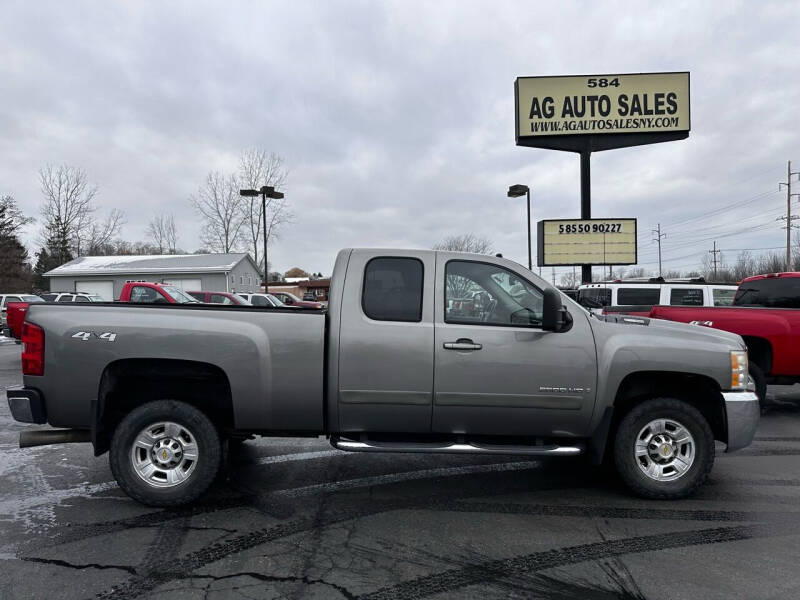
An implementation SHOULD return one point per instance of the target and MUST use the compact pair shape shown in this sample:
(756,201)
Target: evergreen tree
(55,253)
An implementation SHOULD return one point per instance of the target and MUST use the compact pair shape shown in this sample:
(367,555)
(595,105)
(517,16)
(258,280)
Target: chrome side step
(454,448)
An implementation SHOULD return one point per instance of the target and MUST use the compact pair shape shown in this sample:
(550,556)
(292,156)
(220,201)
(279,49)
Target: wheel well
(759,351)
(126,384)
(701,392)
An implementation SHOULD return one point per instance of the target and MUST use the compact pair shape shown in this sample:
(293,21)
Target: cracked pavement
(293,518)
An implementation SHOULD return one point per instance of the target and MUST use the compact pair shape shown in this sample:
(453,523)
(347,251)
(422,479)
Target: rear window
(393,289)
(633,296)
(777,292)
(594,297)
(32,299)
(686,296)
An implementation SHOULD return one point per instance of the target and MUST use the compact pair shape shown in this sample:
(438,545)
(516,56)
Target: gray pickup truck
(419,351)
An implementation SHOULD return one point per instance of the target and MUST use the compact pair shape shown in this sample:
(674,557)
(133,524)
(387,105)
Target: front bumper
(742,411)
(26,404)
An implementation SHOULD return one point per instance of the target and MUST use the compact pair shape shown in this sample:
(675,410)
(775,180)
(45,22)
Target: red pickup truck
(765,314)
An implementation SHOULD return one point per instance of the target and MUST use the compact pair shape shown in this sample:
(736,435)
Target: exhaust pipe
(46,437)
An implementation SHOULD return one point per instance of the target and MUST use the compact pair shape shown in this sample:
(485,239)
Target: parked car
(70,297)
(15,311)
(145,292)
(637,297)
(292,300)
(765,314)
(219,298)
(138,292)
(5,299)
(388,368)
(267,300)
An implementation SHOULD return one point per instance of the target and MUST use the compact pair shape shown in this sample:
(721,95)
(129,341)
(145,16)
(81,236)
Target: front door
(496,370)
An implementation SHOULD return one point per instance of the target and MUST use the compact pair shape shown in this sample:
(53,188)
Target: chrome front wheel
(664,449)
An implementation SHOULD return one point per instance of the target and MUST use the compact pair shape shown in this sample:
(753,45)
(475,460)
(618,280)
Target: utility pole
(714,253)
(659,236)
(789,218)
(554,275)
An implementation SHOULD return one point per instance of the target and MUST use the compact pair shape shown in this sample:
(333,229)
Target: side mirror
(553,318)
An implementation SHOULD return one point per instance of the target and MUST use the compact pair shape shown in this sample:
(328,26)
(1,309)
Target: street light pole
(266,191)
(266,262)
(515,191)
(530,264)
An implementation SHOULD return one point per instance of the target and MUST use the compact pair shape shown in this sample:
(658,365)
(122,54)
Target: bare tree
(163,233)
(217,201)
(69,211)
(468,242)
(257,168)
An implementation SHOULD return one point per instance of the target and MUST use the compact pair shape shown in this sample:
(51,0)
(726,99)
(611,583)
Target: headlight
(739,374)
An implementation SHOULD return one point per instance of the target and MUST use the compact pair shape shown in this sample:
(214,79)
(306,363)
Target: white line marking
(270,460)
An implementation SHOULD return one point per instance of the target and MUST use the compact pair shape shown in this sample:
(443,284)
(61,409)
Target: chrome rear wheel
(164,454)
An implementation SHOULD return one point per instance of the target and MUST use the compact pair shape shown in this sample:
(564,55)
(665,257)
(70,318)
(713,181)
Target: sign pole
(586,204)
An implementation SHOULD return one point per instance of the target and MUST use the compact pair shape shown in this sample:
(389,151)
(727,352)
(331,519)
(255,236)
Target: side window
(686,297)
(484,294)
(636,295)
(393,289)
(81,299)
(220,299)
(259,301)
(65,298)
(723,297)
(142,295)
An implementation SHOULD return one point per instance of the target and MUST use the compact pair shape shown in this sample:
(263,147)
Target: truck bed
(272,359)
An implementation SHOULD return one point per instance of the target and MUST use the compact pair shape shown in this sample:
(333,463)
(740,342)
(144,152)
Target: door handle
(462,344)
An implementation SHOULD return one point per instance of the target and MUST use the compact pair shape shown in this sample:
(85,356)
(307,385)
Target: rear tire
(664,449)
(165,453)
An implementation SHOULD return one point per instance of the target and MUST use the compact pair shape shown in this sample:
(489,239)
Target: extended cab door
(386,343)
(496,370)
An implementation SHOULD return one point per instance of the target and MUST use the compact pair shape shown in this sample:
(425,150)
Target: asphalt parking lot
(298,519)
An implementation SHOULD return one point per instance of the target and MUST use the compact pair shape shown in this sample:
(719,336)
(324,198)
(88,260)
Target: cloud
(396,118)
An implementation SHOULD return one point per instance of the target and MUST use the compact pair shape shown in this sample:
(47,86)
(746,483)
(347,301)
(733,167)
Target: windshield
(32,299)
(94,298)
(275,301)
(178,295)
(775,292)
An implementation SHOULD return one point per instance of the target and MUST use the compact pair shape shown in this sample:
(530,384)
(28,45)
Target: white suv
(71,297)
(639,295)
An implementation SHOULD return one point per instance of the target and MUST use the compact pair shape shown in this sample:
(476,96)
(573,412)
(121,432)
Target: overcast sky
(396,119)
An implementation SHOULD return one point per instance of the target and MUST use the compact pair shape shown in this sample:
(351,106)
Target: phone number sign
(571,242)
(602,104)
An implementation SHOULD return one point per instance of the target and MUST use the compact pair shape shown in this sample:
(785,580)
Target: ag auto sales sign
(602,104)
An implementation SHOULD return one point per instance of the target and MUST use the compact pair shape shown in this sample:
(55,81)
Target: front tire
(165,453)
(760,381)
(664,449)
